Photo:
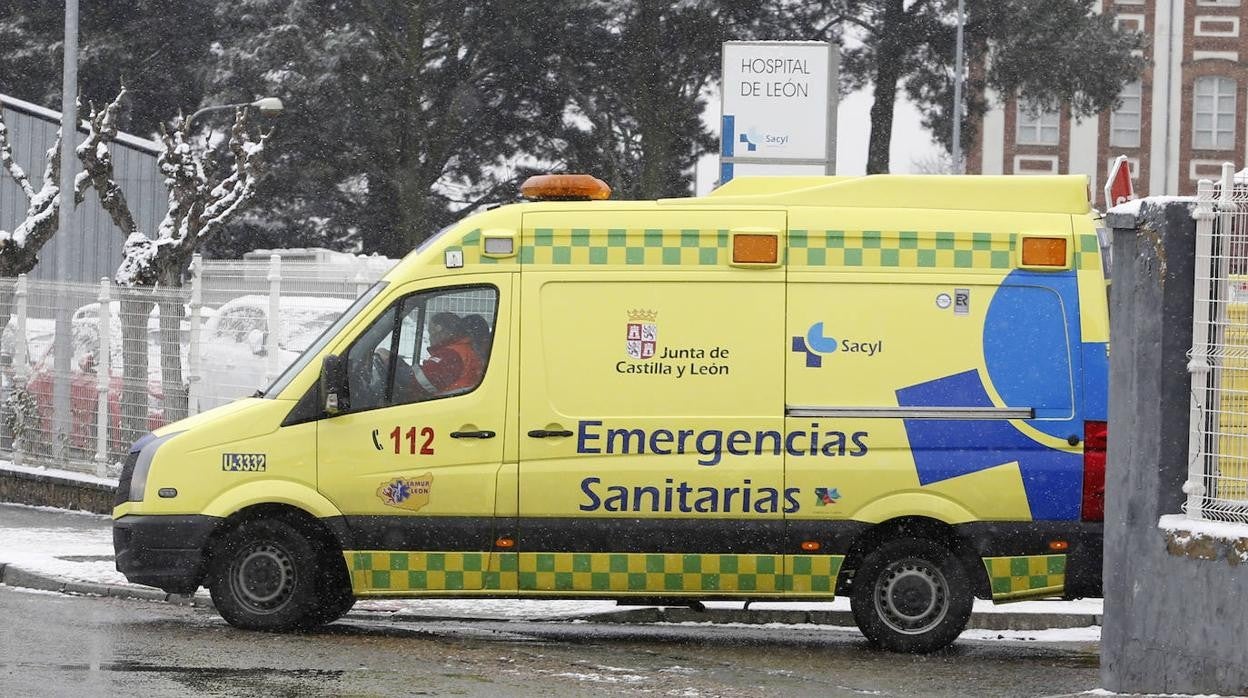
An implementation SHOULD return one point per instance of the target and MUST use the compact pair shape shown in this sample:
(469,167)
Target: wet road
(55,645)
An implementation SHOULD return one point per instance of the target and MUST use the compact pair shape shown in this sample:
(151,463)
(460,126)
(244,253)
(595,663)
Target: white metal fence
(156,355)
(1217,485)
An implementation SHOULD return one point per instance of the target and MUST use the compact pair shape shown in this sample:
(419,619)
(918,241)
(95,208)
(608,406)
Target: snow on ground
(56,472)
(70,554)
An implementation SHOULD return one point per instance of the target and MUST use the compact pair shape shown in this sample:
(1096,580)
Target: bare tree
(19,248)
(199,206)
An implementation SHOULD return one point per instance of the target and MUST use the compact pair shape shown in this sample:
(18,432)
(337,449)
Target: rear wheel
(264,576)
(911,595)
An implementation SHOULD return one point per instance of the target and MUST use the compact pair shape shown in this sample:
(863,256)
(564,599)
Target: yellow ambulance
(890,388)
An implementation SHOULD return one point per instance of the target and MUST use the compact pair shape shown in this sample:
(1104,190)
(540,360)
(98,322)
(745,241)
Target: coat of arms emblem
(643,333)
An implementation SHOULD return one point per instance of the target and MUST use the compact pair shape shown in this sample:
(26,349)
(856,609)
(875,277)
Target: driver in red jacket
(453,364)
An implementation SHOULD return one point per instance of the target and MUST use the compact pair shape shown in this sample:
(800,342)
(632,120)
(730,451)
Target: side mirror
(255,340)
(334,392)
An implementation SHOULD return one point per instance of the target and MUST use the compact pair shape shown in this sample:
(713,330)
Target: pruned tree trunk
(172,383)
(887,74)
(136,305)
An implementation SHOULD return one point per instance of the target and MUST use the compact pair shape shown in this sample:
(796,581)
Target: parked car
(235,341)
(84,392)
(84,366)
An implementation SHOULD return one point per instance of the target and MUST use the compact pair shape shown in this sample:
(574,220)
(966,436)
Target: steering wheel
(368,380)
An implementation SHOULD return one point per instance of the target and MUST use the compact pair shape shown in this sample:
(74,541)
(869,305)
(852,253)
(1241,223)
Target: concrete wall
(1176,614)
(40,489)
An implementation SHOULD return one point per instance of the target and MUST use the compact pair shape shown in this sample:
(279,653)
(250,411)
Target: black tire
(334,595)
(264,576)
(911,595)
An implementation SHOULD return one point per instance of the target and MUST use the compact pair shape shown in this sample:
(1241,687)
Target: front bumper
(167,552)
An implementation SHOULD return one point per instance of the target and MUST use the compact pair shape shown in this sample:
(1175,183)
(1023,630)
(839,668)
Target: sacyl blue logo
(816,344)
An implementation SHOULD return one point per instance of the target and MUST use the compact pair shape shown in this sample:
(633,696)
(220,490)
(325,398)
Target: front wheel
(264,577)
(911,595)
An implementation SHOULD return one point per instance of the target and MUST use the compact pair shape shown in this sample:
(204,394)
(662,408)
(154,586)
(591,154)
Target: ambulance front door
(413,461)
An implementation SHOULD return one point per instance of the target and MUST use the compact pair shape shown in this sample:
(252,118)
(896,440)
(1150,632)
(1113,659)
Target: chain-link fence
(1217,486)
(79,384)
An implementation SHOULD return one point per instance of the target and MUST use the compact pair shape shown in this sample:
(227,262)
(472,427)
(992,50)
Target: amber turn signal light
(811,545)
(1058,545)
(1044,252)
(504,543)
(750,248)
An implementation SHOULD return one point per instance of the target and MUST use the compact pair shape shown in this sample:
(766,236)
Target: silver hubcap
(911,596)
(262,577)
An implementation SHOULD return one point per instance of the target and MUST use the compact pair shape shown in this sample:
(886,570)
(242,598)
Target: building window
(1124,123)
(1036,127)
(1213,114)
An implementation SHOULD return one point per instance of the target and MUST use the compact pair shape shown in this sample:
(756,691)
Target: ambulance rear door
(931,375)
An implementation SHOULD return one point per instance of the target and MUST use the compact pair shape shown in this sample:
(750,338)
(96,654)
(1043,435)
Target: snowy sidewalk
(59,550)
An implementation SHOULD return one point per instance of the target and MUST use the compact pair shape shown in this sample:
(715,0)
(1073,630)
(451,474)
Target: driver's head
(444,327)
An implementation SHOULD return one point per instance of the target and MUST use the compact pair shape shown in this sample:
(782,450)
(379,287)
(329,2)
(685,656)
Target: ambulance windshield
(315,347)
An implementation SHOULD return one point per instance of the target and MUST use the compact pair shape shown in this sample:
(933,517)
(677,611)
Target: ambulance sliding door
(931,378)
(650,405)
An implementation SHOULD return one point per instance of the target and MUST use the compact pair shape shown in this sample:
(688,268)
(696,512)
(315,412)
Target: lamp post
(62,354)
(957,93)
(267,106)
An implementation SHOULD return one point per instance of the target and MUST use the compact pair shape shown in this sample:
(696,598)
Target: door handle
(472,434)
(547,433)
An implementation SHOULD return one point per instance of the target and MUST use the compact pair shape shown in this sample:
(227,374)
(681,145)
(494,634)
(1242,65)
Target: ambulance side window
(425,346)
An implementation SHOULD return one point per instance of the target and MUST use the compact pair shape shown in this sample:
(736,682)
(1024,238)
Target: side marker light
(754,248)
(1044,252)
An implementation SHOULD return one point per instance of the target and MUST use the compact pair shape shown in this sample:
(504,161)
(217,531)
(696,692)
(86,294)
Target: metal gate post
(193,357)
(103,379)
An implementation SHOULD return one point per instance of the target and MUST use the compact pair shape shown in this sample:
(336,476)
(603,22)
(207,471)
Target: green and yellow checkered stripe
(1087,252)
(397,572)
(900,249)
(829,248)
(626,247)
(1026,576)
(641,572)
(383,571)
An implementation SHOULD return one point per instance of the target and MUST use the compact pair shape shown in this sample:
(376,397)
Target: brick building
(1186,115)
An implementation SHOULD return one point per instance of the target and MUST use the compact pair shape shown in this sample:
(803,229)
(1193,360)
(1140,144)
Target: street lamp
(957,92)
(267,106)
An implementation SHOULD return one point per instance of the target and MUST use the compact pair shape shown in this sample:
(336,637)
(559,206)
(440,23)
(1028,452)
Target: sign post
(778,111)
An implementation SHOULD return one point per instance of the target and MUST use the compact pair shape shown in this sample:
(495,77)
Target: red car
(83,393)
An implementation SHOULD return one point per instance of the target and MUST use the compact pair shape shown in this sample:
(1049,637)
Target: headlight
(138,480)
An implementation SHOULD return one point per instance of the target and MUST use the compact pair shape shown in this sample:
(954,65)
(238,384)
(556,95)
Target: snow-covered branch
(10,165)
(197,207)
(97,164)
(19,248)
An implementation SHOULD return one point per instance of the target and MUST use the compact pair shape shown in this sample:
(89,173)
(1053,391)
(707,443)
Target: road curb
(13,576)
(680,614)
